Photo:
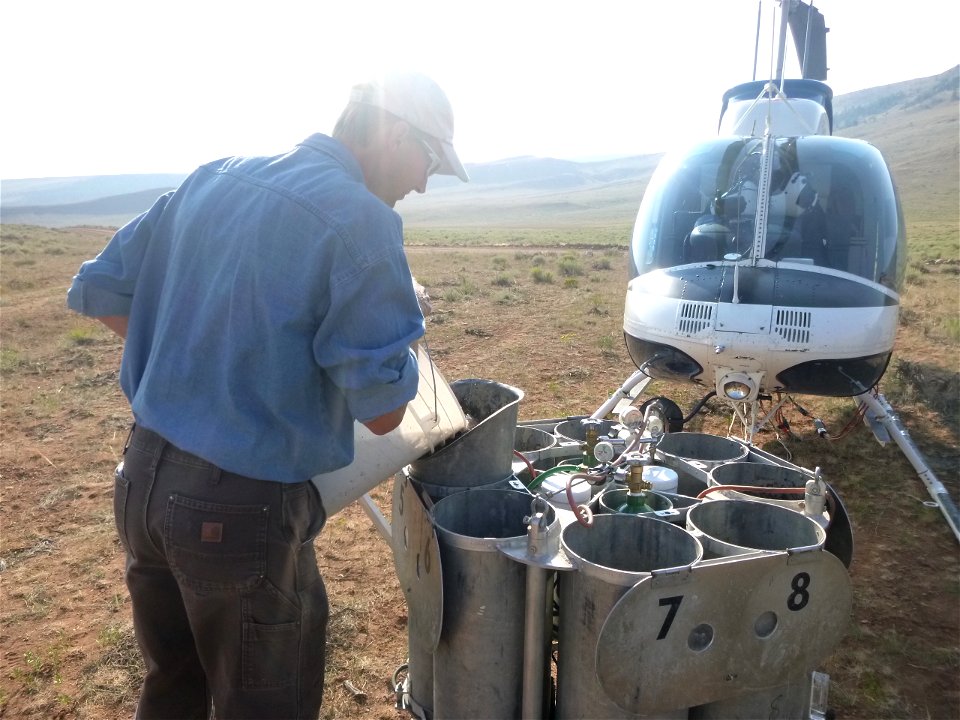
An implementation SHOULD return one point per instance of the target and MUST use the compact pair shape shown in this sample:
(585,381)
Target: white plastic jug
(554,488)
(661,479)
(432,417)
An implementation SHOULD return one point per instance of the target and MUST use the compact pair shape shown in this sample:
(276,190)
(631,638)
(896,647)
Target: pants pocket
(270,655)
(214,546)
(121,491)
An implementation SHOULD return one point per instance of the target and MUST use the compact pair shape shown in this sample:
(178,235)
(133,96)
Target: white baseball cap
(419,101)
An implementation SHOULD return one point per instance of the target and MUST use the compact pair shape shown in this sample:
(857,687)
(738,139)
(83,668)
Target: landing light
(737,390)
(738,386)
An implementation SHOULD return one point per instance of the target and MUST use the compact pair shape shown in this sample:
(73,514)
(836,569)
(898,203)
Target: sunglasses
(433,160)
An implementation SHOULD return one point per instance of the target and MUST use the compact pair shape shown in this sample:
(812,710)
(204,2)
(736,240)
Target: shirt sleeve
(364,340)
(104,286)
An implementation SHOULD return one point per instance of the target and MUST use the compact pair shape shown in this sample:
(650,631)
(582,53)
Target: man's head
(400,128)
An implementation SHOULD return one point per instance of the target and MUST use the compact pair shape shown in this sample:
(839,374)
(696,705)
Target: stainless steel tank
(478,662)
(728,528)
(693,455)
(736,527)
(484,453)
(611,556)
(760,475)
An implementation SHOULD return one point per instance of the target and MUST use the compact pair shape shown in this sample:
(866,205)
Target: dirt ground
(66,646)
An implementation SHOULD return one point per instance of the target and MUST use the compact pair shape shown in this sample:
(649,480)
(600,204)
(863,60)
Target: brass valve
(635,481)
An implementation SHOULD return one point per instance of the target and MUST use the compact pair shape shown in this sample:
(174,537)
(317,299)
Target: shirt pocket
(214,546)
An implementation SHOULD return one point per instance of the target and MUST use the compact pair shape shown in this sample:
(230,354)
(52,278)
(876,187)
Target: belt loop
(158,449)
(215,474)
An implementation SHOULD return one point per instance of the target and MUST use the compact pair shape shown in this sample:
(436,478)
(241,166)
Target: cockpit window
(832,204)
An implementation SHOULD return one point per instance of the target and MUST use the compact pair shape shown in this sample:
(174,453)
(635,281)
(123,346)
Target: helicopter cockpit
(832,205)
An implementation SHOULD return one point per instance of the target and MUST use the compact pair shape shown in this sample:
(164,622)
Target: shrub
(81,336)
(570,266)
(541,276)
(952,328)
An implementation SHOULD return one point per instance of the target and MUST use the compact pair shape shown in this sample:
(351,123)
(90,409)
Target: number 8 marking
(800,597)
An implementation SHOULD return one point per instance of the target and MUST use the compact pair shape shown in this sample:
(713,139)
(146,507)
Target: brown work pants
(228,604)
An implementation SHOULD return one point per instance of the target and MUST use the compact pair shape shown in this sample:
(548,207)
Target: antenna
(756,42)
(806,48)
(785,8)
(763,196)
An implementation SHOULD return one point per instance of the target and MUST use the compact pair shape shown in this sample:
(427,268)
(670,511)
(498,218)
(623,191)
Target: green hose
(537,481)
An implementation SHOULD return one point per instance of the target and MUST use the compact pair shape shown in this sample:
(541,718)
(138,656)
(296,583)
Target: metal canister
(609,557)
(478,663)
(693,455)
(736,527)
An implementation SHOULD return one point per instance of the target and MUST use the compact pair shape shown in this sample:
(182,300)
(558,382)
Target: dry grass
(67,644)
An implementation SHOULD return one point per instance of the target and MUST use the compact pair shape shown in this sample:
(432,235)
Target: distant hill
(864,106)
(113,210)
(914,123)
(521,189)
(529,191)
(70,190)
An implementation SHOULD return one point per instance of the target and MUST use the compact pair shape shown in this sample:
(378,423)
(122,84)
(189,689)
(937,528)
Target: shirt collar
(335,149)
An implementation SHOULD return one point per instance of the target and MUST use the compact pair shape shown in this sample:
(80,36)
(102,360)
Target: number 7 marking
(674,603)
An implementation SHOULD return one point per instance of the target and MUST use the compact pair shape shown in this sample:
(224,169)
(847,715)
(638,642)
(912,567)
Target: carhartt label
(211,532)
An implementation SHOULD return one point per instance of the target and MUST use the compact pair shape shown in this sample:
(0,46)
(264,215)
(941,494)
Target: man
(266,305)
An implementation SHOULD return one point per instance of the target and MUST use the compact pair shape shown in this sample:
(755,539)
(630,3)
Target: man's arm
(386,422)
(117,323)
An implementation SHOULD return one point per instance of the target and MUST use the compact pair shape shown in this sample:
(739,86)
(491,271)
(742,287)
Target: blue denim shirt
(270,304)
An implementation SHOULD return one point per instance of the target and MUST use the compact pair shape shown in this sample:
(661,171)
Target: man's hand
(423,298)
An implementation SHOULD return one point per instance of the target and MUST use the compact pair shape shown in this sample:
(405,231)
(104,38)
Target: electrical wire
(784,446)
(698,406)
(851,425)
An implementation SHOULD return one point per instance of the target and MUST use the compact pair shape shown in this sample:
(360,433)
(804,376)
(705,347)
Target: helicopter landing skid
(879,412)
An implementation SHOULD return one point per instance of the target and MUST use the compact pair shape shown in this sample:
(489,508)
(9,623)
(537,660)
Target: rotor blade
(811,45)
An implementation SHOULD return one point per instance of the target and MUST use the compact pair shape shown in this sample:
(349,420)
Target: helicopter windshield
(832,204)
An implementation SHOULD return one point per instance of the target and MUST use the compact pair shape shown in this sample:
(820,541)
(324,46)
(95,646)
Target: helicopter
(767,261)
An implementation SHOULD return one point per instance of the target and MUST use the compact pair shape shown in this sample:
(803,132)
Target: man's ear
(397,133)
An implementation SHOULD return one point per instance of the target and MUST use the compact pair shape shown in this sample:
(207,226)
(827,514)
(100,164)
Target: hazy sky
(94,87)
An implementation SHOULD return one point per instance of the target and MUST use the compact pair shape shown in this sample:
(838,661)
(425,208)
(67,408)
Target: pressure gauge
(603,451)
(631,417)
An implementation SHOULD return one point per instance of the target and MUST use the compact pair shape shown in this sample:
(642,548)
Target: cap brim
(451,163)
